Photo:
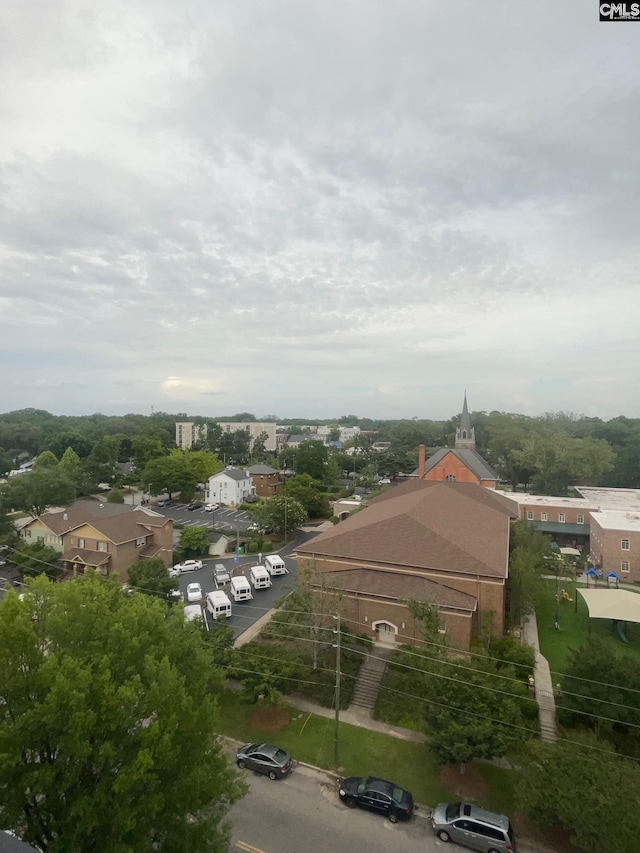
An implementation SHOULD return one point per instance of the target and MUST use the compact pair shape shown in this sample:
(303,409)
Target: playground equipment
(563,595)
(619,626)
(592,577)
(613,580)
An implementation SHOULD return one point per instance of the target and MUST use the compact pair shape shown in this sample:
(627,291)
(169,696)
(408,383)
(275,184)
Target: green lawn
(310,738)
(574,629)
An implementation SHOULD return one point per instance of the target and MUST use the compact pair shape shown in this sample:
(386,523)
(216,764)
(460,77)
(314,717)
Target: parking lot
(220,519)
(243,613)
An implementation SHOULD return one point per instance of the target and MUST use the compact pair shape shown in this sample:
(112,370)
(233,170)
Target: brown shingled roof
(458,527)
(396,585)
(114,521)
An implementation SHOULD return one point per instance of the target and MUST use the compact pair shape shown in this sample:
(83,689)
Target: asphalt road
(303,814)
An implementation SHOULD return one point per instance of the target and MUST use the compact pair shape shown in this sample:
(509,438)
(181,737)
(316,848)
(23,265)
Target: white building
(230,486)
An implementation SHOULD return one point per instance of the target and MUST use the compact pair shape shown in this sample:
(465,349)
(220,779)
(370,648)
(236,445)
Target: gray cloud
(318,208)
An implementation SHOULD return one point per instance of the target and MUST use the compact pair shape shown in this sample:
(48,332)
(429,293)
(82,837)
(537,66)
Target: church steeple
(465,434)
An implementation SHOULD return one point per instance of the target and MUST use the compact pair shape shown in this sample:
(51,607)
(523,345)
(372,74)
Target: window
(26,534)
(624,567)
(529,515)
(580,519)
(561,517)
(40,540)
(102,546)
(543,516)
(140,542)
(80,543)
(451,478)
(625,545)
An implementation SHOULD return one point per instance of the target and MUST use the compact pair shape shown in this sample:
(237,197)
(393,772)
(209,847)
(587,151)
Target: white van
(218,604)
(193,613)
(260,577)
(275,565)
(240,589)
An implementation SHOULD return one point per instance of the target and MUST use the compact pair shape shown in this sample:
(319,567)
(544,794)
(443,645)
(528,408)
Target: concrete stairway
(369,678)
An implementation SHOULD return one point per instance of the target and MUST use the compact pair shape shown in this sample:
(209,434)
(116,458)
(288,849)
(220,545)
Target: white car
(211,507)
(194,592)
(385,481)
(185,566)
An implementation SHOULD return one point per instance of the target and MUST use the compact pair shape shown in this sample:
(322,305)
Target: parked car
(194,592)
(473,827)
(253,527)
(377,795)
(185,566)
(211,507)
(251,499)
(264,758)
(164,502)
(384,481)
(221,574)
(195,505)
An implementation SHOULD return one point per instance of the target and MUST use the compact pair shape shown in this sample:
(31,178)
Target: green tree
(194,541)
(529,550)
(305,490)
(150,577)
(171,474)
(286,513)
(35,491)
(599,692)
(71,466)
(202,463)
(332,471)
(259,449)
(473,710)
(107,724)
(46,461)
(571,783)
(311,458)
(6,463)
(115,496)
(145,448)
(36,559)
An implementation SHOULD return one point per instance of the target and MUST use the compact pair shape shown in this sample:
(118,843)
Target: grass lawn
(574,629)
(310,738)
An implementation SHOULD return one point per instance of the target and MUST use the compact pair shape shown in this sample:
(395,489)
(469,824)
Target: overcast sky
(319,207)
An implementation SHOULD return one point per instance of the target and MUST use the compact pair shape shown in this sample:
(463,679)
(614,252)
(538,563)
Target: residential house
(108,538)
(230,487)
(266,480)
(446,543)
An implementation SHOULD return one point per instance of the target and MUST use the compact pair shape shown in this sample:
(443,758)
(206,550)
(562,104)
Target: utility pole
(337,631)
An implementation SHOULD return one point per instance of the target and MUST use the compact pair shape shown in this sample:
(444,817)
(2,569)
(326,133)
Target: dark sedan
(264,758)
(377,795)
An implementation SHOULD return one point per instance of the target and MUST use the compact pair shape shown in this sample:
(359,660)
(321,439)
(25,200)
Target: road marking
(249,848)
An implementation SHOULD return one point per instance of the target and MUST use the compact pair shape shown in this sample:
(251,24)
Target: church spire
(465,434)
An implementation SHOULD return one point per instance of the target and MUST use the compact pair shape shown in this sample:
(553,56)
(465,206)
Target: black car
(377,795)
(264,758)
(195,505)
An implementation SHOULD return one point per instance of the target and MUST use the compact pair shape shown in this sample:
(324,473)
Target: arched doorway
(385,632)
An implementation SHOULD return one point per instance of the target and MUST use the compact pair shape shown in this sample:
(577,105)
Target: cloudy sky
(316,208)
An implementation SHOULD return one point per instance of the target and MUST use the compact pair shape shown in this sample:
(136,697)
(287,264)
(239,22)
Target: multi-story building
(255,430)
(189,433)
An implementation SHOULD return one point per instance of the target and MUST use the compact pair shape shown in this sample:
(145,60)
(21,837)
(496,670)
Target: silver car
(473,827)
(264,758)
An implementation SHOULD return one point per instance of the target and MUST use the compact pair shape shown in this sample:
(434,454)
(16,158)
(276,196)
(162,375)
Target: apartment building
(189,433)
